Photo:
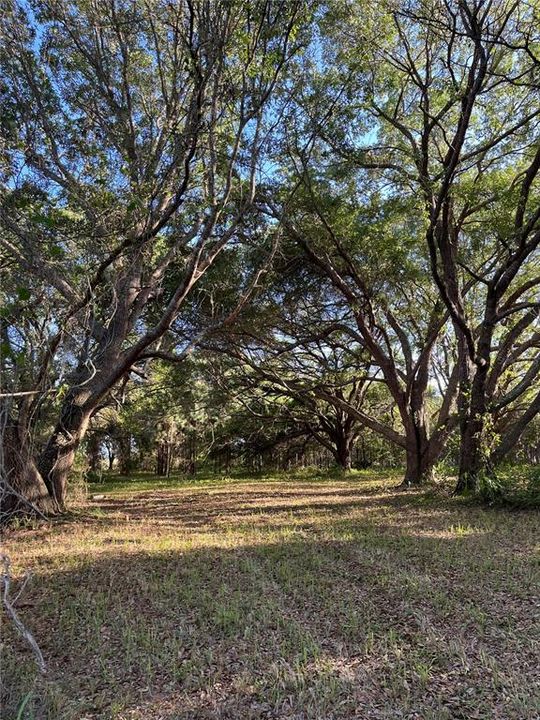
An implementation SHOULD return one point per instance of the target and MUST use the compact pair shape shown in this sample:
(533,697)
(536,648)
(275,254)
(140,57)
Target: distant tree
(366,255)
(290,349)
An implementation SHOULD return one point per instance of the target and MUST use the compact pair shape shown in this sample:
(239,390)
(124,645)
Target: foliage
(268,233)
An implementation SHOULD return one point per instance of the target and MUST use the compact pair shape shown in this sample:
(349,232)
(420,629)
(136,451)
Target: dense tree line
(231,227)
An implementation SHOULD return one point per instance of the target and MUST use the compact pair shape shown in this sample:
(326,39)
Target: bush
(517,485)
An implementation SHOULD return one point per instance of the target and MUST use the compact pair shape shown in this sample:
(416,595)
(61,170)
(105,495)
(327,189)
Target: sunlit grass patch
(278,598)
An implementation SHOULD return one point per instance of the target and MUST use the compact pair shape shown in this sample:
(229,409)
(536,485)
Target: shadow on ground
(340,609)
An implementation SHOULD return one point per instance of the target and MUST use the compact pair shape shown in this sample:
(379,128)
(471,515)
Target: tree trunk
(111,457)
(471,458)
(343,453)
(192,467)
(474,453)
(419,465)
(58,456)
(124,452)
(421,452)
(168,457)
(364,461)
(160,459)
(94,457)
(474,462)
(22,489)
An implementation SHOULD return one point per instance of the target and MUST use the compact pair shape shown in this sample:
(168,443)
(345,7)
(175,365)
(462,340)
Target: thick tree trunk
(472,460)
(22,489)
(419,462)
(421,453)
(160,459)
(474,454)
(164,454)
(343,453)
(57,459)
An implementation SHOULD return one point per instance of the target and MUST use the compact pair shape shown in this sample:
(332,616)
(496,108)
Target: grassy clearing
(141,480)
(308,598)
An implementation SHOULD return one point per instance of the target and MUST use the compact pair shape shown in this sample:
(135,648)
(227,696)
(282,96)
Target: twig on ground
(8,604)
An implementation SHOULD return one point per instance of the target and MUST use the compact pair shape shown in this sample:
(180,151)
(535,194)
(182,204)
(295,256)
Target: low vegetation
(270,359)
(287,597)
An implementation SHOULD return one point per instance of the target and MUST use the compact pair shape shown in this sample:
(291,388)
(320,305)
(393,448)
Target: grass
(142,480)
(303,598)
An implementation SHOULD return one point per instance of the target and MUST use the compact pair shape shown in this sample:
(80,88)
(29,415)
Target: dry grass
(300,599)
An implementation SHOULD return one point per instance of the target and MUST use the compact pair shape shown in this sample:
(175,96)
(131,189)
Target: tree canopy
(234,226)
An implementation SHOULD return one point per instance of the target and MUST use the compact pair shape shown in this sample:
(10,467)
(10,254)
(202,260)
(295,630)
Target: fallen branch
(10,610)
(5,489)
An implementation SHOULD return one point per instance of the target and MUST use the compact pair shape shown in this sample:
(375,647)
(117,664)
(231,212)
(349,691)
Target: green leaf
(23,293)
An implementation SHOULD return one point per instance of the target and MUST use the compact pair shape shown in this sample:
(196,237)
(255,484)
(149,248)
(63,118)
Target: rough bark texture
(22,489)
(163,459)
(56,460)
(124,454)
(474,461)
(421,452)
(344,443)
(421,449)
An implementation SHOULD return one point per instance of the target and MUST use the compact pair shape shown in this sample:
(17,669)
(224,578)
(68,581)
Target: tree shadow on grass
(297,628)
(200,506)
(206,511)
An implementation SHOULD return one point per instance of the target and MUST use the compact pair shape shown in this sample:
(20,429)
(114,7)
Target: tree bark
(471,463)
(420,455)
(160,459)
(422,450)
(124,448)
(111,457)
(342,439)
(343,454)
(474,458)
(58,456)
(22,489)
(94,458)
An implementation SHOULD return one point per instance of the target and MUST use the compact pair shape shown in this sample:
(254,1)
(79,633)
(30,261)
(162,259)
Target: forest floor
(306,598)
